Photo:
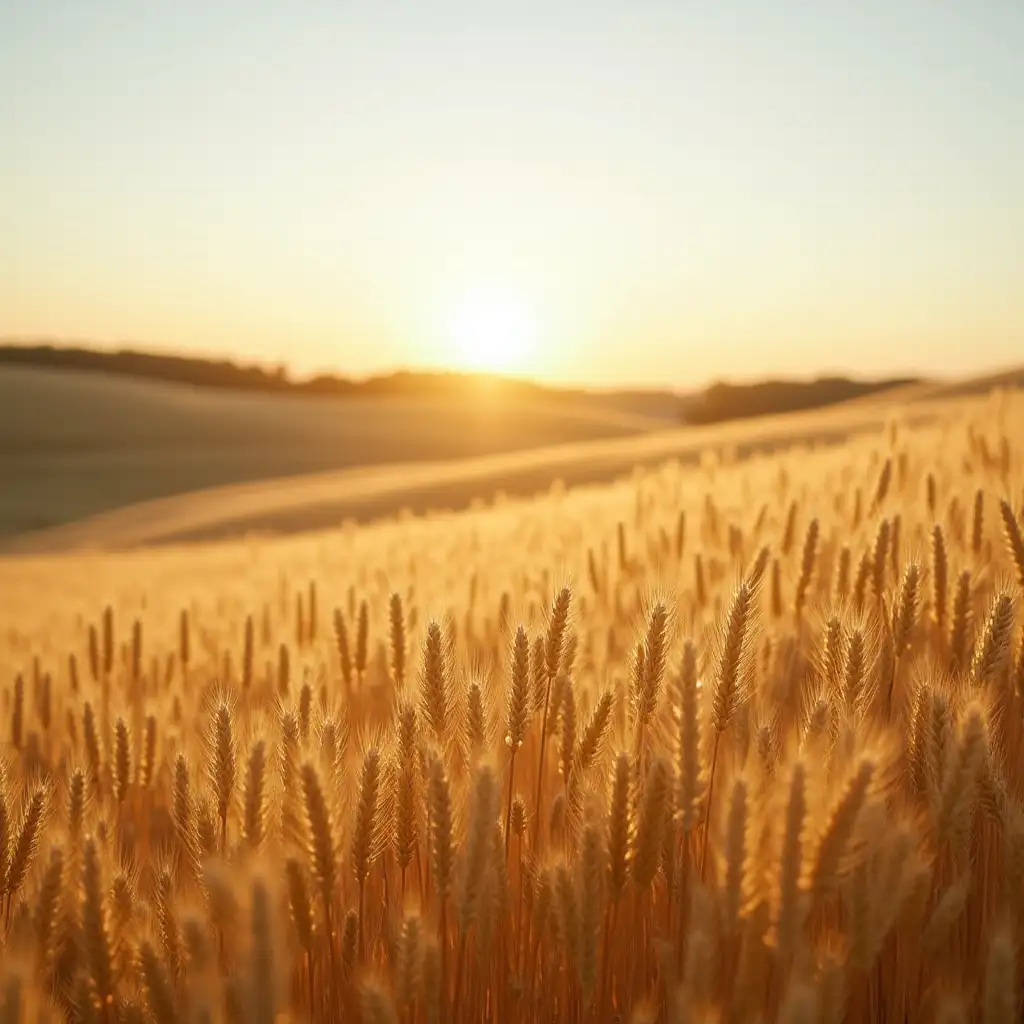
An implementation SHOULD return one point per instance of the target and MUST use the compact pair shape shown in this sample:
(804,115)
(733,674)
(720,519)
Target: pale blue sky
(675,191)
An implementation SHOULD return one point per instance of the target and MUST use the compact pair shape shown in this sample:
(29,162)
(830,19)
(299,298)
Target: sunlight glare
(494,332)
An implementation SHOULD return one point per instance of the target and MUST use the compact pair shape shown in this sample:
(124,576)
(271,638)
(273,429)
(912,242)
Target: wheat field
(740,741)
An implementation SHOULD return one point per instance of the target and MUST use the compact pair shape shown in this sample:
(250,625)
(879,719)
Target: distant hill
(362,493)
(76,442)
(724,401)
(84,432)
(226,374)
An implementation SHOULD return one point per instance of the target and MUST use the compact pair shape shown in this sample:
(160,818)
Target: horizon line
(291,378)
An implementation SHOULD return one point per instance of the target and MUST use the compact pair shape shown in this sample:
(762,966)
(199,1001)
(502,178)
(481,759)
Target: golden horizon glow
(493,330)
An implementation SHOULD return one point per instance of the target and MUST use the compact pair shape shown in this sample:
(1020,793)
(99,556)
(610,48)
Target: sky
(602,193)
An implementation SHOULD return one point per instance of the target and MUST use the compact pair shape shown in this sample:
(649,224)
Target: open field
(729,738)
(73,444)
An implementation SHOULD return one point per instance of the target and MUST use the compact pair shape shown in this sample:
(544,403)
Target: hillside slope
(74,444)
(321,500)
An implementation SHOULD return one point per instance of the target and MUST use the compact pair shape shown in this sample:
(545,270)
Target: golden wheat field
(741,741)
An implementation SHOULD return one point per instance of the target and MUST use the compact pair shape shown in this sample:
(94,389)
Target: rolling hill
(117,458)
(367,492)
(75,443)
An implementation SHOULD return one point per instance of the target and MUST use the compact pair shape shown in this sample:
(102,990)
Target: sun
(493,331)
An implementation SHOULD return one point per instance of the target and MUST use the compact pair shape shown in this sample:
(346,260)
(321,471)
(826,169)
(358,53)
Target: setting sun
(493,331)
